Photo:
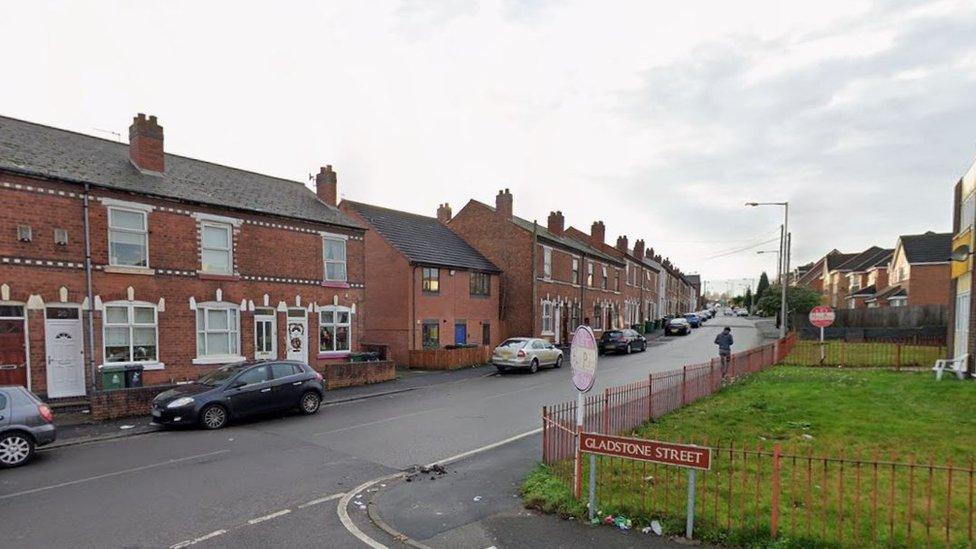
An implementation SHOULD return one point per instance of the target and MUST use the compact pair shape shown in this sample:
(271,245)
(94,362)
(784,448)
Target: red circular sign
(821,316)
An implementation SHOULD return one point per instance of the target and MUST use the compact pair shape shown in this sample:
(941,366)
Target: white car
(526,353)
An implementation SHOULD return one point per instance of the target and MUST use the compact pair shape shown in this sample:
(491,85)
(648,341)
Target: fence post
(897,356)
(650,397)
(606,411)
(684,377)
(774,519)
(545,436)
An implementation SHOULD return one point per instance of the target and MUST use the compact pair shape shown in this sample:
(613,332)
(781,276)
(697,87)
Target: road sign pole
(690,522)
(823,354)
(578,469)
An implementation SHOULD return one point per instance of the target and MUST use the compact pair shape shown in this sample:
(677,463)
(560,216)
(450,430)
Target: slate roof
(422,239)
(930,247)
(561,240)
(860,260)
(865,291)
(653,265)
(835,260)
(34,149)
(695,280)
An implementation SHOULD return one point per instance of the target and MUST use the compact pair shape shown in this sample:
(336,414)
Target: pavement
(280,480)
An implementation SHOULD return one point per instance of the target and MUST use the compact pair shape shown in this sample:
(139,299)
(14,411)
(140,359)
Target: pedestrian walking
(724,342)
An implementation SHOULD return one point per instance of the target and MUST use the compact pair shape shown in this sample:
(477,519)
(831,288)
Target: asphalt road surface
(278,481)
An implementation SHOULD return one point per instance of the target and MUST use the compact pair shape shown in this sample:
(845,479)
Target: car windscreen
(218,376)
(612,334)
(677,321)
(513,343)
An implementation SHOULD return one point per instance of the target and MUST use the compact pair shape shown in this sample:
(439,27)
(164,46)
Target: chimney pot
(557,223)
(444,212)
(598,232)
(503,204)
(639,249)
(622,243)
(326,185)
(146,145)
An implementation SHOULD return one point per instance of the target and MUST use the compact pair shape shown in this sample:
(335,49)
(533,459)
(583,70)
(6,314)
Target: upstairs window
(216,248)
(967,212)
(605,277)
(575,271)
(480,284)
(334,254)
(589,274)
(128,238)
(431,282)
(547,263)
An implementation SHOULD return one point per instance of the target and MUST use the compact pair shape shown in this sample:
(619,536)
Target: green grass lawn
(812,413)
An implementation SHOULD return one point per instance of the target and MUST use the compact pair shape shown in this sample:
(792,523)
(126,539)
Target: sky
(660,119)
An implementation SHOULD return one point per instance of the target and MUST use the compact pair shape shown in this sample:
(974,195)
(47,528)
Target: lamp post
(778,260)
(784,261)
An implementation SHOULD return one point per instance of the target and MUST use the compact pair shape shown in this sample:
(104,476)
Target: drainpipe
(413,308)
(582,282)
(91,294)
(535,283)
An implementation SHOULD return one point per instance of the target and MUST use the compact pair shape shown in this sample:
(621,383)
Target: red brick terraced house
(919,272)
(428,287)
(639,288)
(192,264)
(550,282)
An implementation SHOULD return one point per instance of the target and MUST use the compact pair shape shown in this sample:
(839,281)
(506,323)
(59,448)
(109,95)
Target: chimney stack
(622,244)
(444,212)
(146,144)
(557,223)
(639,249)
(598,232)
(326,186)
(503,204)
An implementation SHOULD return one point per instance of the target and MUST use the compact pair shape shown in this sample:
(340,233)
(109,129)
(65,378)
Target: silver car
(25,423)
(526,352)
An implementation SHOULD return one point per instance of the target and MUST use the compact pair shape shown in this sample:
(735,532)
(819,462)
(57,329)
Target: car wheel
(310,403)
(213,417)
(559,361)
(629,350)
(534,366)
(15,449)
(643,346)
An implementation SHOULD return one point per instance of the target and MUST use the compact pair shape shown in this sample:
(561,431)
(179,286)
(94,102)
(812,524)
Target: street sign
(822,316)
(582,358)
(667,453)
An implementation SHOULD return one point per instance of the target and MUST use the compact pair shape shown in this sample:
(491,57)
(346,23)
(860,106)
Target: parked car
(679,326)
(745,312)
(239,390)
(623,341)
(694,320)
(25,423)
(526,353)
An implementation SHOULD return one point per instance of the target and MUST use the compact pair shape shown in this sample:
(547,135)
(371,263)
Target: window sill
(146,366)
(213,276)
(333,354)
(218,359)
(121,269)
(335,284)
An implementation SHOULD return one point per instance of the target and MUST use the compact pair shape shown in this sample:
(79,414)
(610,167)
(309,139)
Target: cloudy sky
(658,119)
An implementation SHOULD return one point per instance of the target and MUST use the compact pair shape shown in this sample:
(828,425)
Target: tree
(799,299)
(747,299)
(762,287)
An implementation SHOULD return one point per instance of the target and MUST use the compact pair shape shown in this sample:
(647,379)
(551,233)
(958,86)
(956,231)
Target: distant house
(918,273)
(838,280)
(430,288)
(866,274)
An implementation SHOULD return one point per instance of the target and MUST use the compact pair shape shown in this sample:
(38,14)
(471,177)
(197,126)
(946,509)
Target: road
(277,481)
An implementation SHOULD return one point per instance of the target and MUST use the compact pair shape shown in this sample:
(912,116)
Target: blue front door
(460,334)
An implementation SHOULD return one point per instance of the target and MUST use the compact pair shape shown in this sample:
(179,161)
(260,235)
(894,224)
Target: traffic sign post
(822,316)
(583,357)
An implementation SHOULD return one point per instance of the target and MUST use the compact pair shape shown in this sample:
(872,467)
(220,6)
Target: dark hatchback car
(622,341)
(679,326)
(239,390)
(25,424)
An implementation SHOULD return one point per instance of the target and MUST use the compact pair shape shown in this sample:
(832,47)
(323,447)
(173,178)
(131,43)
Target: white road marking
(377,422)
(321,500)
(112,474)
(274,515)
(344,513)
(195,541)
(487,447)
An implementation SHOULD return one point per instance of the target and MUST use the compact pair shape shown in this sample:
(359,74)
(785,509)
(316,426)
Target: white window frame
(326,237)
(548,327)
(606,278)
(576,271)
(335,309)
(547,262)
(262,318)
(144,232)
(229,250)
(589,275)
(233,333)
(130,307)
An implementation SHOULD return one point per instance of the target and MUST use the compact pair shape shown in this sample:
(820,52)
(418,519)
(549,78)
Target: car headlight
(180,402)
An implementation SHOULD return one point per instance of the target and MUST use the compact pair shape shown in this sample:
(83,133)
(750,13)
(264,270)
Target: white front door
(297,336)
(65,352)
(265,337)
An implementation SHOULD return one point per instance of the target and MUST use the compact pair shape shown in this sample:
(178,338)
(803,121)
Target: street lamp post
(779,262)
(783,259)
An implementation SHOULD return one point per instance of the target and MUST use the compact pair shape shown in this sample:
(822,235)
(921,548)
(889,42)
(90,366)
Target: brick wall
(108,405)
(350,374)
(929,285)
(281,265)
